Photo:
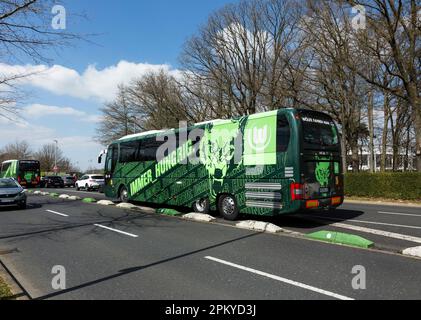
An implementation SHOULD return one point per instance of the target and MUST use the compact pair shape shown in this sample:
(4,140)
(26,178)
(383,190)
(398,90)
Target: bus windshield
(319,131)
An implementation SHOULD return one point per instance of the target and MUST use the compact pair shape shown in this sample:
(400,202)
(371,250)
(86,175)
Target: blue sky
(131,36)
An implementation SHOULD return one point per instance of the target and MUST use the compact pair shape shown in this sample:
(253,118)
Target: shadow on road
(140,268)
(310,220)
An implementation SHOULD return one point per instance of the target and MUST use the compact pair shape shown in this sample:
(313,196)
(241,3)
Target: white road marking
(400,214)
(57,213)
(284,280)
(115,230)
(370,222)
(379,232)
(374,231)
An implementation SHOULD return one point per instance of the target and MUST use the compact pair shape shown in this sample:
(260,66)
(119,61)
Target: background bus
(266,164)
(26,172)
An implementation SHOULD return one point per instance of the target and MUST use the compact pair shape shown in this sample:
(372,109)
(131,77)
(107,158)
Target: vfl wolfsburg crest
(260,140)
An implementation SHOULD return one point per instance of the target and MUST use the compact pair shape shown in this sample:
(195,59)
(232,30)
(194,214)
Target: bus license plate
(324,190)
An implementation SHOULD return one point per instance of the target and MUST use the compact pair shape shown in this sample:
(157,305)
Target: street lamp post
(55,157)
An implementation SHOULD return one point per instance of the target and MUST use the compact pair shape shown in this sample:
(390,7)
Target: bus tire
(228,207)
(202,206)
(123,195)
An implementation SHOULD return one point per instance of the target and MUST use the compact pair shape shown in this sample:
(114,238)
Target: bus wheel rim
(228,206)
(201,205)
(124,195)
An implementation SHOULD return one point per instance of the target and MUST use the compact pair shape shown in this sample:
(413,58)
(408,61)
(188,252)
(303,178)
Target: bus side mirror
(99,159)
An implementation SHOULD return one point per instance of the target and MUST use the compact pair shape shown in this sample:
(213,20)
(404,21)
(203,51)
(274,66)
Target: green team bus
(266,164)
(26,172)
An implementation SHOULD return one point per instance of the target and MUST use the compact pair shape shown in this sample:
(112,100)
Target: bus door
(110,166)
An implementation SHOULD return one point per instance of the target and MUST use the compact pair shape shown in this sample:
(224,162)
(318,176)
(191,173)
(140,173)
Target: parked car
(90,182)
(52,181)
(12,194)
(69,181)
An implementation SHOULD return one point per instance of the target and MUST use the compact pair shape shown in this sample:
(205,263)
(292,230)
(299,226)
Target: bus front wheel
(124,195)
(228,207)
(202,206)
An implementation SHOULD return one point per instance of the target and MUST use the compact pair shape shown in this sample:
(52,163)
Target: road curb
(341,238)
(383,203)
(198,217)
(105,203)
(259,226)
(412,252)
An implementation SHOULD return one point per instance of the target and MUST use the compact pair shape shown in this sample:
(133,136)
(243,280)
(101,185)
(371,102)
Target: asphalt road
(110,253)
(387,226)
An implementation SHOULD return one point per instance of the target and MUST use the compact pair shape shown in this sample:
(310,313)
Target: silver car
(12,194)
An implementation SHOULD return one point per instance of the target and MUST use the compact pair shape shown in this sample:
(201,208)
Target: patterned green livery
(265,164)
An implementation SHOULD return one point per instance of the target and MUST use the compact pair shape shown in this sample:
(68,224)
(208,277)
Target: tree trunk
(385,132)
(418,137)
(344,151)
(371,157)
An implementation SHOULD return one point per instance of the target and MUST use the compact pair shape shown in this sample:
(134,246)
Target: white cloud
(36,111)
(82,150)
(95,84)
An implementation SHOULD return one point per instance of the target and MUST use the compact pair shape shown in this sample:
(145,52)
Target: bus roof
(155,132)
(140,135)
(8,161)
(216,121)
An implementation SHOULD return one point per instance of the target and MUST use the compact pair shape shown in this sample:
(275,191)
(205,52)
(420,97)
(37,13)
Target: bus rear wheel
(228,208)
(202,206)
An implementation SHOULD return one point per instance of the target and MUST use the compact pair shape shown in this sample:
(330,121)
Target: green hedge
(393,185)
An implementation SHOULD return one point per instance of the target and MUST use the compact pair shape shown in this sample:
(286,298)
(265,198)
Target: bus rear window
(319,132)
(29,166)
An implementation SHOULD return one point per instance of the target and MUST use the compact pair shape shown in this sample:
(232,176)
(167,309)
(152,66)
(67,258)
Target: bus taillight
(336,201)
(296,191)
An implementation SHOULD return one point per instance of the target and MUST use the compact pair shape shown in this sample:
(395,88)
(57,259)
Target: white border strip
(369,222)
(400,214)
(115,230)
(277,278)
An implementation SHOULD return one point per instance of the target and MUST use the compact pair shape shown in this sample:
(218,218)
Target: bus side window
(129,151)
(284,133)
(149,149)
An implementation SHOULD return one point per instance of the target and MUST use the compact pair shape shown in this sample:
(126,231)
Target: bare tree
(47,156)
(25,32)
(118,118)
(243,56)
(330,85)
(158,101)
(19,150)
(395,41)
